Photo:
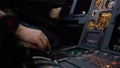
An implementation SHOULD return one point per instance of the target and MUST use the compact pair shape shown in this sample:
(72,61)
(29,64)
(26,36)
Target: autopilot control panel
(99,43)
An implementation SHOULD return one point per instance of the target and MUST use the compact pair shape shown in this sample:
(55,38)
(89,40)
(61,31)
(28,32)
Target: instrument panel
(99,43)
(102,27)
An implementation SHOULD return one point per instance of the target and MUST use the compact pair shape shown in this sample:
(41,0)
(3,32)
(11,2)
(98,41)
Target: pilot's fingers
(55,12)
(48,46)
(43,43)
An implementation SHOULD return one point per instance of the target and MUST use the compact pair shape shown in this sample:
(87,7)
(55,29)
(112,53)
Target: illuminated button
(107,66)
(83,12)
(97,52)
(97,3)
(91,25)
(105,54)
(114,63)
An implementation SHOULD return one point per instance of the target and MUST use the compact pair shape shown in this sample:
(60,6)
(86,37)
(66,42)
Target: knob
(111,5)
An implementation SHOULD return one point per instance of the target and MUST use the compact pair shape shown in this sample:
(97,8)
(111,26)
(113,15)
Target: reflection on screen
(82,6)
(92,39)
(79,7)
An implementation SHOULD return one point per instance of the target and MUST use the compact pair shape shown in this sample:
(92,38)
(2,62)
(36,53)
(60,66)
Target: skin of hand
(2,13)
(31,37)
(55,12)
(35,37)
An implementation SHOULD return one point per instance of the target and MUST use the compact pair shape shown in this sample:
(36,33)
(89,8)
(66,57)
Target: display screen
(115,38)
(92,38)
(82,6)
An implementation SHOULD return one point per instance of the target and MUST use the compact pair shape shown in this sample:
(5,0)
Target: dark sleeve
(8,24)
(36,12)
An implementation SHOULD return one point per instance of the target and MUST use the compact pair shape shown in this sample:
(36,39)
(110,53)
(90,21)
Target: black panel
(115,38)
(82,5)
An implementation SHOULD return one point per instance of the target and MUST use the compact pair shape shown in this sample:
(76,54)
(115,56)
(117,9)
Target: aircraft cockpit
(87,35)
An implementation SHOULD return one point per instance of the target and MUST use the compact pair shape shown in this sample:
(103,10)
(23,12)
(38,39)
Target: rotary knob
(111,5)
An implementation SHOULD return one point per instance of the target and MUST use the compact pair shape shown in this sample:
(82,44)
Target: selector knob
(111,5)
(96,53)
(106,54)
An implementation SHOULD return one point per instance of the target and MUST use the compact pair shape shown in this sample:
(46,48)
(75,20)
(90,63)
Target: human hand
(2,13)
(34,37)
(55,12)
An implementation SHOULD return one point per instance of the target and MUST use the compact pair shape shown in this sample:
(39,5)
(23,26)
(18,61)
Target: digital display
(114,43)
(92,39)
